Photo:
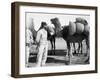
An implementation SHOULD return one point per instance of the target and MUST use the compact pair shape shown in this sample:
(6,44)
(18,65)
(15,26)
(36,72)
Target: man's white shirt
(29,37)
(42,36)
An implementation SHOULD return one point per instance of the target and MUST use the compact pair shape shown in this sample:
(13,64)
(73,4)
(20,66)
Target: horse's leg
(71,49)
(67,53)
(75,50)
(87,51)
(81,47)
(67,48)
(88,46)
(51,46)
(70,53)
(78,48)
(54,40)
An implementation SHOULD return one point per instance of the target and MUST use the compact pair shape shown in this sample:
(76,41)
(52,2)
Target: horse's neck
(57,29)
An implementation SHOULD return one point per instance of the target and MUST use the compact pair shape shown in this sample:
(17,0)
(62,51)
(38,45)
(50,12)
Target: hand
(35,42)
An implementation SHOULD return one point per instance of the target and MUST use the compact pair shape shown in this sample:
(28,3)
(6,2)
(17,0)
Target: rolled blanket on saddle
(79,26)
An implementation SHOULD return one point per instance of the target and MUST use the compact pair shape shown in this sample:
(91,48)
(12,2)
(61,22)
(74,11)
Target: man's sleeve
(27,37)
(38,37)
(31,38)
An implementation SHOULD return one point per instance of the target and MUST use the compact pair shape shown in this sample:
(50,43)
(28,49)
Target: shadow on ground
(59,58)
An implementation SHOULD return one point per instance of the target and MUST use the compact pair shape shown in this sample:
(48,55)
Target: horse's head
(81,20)
(56,23)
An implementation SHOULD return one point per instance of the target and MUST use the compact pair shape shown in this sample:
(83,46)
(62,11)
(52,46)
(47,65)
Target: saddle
(80,26)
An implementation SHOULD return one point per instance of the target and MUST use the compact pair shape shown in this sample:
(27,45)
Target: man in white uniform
(29,41)
(42,42)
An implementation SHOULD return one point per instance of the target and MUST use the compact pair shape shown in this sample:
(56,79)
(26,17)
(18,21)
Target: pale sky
(37,18)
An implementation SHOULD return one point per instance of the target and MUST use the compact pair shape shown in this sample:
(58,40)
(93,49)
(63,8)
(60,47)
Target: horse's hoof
(67,62)
(86,60)
(74,53)
(85,54)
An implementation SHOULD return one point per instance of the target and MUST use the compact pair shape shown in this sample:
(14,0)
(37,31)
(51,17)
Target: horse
(70,39)
(51,36)
(79,49)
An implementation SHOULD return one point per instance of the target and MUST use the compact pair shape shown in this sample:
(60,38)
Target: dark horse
(51,37)
(70,39)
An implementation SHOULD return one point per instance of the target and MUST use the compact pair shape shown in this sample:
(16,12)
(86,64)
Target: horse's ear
(86,23)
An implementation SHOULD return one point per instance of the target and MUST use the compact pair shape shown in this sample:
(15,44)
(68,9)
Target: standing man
(42,42)
(29,41)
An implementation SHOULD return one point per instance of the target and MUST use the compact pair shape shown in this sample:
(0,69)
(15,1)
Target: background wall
(5,40)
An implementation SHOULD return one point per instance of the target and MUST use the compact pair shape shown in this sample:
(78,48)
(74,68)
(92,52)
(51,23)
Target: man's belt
(28,44)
